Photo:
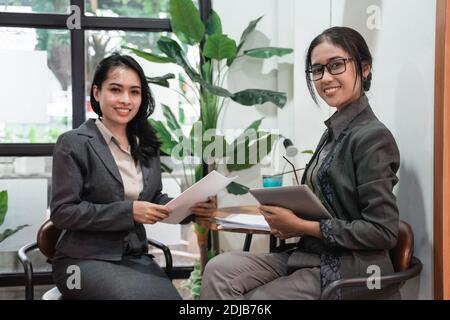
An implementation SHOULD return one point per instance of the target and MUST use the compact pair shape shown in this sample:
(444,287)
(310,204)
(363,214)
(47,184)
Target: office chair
(406,267)
(47,237)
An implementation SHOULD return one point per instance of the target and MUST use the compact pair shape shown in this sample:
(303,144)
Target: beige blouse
(131,173)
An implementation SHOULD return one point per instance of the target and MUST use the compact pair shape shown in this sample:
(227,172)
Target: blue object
(272,181)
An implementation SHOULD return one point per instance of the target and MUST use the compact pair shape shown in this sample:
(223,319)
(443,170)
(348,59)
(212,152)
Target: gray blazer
(356,181)
(88,196)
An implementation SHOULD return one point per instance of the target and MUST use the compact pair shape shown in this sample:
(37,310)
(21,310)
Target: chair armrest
(27,268)
(167,255)
(397,277)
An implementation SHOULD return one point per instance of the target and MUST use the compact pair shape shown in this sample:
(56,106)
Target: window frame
(77,44)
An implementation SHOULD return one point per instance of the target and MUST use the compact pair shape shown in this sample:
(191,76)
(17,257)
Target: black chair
(406,267)
(47,237)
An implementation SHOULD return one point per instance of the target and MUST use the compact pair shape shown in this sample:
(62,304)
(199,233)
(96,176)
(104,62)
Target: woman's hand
(149,213)
(205,209)
(285,224)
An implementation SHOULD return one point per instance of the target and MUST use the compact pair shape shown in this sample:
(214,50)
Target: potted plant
(217,54)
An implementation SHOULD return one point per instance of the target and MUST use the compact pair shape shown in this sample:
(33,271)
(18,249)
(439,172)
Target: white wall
(401,95)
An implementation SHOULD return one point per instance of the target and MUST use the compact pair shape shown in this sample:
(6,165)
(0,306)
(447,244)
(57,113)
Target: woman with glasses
(352,172)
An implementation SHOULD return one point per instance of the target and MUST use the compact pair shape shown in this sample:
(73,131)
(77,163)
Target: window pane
(27,181)
(36,85)
(132,8)
(35,6)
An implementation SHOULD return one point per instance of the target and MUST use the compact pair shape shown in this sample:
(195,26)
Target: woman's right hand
(149,213)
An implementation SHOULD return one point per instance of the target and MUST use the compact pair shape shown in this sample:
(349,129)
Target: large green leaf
(168,142)
(172,122)
(3,205)
(150,56)
(251,97)
(186,22)
(267,52)
(255,150)
(213,25)
(250,28)
(173,50)
(218,91)
(237,188)
(161,81)
(219,47)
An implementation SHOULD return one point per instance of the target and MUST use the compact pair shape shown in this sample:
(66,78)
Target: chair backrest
(47,237)
(401,254)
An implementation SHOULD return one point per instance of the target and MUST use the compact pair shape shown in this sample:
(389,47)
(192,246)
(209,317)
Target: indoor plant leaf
(165,168)
(214,24)
(253,151)
(150,56)
(172,122)
(9,232)
(208,111)
(161,81)
(173,50)
(207,72)
(251,97)
(186,22)
(237,188)
(3,205)
(168,142)
(267,52)
(218,91)
(219,47)
(250,28)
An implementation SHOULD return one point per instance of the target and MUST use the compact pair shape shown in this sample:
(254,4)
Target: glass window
(35,6)
(36,85)
(131,8)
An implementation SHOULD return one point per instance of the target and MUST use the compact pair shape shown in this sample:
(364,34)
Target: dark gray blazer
(88,196)
(356,181)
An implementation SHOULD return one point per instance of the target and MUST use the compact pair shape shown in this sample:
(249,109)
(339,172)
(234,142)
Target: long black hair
(353,43)
(138,128)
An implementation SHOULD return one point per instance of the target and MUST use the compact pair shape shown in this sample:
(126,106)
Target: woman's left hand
(283,222)
(205,209)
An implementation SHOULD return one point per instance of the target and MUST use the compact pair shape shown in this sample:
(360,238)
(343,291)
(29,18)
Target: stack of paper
(243,221)
(198,192)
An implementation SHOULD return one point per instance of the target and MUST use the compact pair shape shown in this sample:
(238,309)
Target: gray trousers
(132,278)
(244,275)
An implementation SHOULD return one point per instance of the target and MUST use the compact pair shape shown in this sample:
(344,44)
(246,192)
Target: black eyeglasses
(334,67)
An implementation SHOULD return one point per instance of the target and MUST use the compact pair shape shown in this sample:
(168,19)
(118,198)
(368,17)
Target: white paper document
(243,221)
(198,192)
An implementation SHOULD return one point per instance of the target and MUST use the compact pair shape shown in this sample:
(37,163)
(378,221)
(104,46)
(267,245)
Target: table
(224,212)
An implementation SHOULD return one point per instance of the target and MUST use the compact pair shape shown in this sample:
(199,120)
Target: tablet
(300,199)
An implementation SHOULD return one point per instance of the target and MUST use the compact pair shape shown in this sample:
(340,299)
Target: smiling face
(336,90)
(119,97)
